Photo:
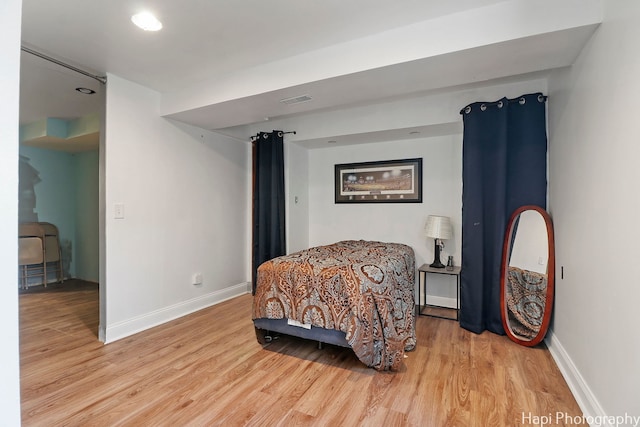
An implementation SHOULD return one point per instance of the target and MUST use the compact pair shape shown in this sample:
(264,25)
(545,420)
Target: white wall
(391,222)
(594,177)
(297,197)
(185,212)
(10,18)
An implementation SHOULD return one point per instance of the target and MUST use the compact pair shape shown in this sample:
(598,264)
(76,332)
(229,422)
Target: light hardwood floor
(207,369)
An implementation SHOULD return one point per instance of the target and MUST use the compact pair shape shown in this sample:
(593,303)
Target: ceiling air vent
(296,99)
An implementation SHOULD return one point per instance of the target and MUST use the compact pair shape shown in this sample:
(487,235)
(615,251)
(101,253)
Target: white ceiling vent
(296,99)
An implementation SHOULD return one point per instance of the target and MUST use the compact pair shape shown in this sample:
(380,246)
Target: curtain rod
(101,79)
(520,100)
(280,133)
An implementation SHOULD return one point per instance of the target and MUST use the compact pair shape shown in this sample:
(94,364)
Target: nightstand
(435,310)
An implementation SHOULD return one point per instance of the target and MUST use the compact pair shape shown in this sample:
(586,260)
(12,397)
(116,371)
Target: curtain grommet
(483,107)
(467,110)
(540,98)
(500,104)
(522,101)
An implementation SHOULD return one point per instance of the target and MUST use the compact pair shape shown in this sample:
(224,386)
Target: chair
(41,238)
(30,256)
(52,250)
(31,253)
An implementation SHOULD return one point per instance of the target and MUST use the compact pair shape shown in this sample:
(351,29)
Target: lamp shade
(438,227)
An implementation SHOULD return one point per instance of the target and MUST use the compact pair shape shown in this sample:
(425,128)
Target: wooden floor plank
(208,369)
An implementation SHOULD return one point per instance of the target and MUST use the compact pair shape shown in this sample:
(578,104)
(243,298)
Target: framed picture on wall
(388,181)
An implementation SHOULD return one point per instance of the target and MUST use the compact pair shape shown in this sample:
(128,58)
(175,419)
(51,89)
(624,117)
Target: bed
(354,293)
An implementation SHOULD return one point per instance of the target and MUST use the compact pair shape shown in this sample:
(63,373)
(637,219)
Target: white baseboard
(587,401)
(137,324)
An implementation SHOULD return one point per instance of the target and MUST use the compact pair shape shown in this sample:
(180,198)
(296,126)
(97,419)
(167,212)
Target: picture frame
(388,181)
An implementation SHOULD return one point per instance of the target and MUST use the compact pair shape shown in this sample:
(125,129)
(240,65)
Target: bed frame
(266,327)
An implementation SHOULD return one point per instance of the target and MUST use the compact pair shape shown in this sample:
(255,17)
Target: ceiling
(221,64)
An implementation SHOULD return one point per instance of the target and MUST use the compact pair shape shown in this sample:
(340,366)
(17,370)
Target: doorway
(61,112)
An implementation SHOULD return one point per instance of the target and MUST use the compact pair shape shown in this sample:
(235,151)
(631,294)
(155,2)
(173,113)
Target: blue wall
(87,254)
(62,188)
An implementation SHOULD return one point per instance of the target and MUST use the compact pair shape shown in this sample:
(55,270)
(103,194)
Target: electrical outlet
(197,279)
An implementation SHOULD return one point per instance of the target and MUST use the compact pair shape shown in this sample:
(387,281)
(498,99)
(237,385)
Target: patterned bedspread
(526,297)
(362,288)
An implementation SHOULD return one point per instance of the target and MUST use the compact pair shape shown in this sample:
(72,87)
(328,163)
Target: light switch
(118,211)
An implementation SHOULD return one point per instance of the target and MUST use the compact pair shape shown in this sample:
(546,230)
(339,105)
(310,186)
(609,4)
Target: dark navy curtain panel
(268,199)
(504,166)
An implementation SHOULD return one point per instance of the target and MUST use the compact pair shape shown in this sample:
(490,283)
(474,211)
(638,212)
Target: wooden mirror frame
(551,268)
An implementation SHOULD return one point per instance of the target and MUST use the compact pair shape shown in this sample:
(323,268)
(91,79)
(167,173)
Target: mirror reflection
(526,279)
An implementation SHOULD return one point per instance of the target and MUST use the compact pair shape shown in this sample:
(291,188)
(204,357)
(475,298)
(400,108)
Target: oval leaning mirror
(527,276)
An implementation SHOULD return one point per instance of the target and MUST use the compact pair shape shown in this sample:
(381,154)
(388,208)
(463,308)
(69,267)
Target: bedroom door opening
(59,166)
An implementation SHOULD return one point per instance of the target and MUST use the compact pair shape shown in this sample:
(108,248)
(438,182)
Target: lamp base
(436,256)
(437,264)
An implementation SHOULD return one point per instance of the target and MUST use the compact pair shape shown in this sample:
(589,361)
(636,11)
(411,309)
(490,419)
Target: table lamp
(438,228)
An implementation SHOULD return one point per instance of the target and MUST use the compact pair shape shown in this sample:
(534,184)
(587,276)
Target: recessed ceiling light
(331,142)
(85,90)
(146,21)
(414,132)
